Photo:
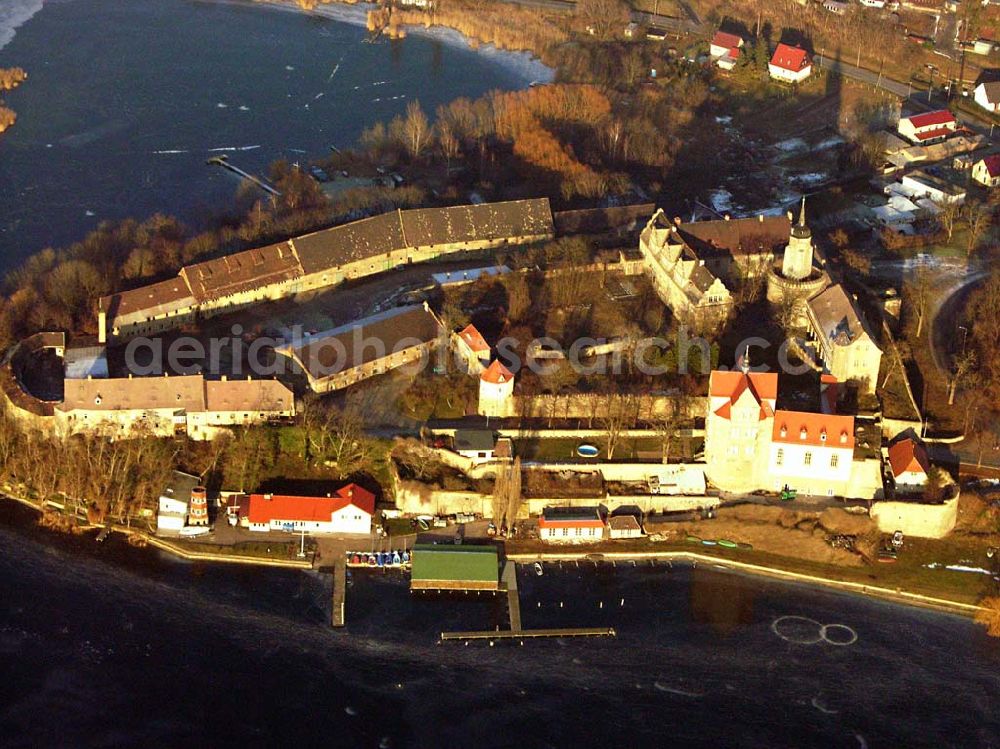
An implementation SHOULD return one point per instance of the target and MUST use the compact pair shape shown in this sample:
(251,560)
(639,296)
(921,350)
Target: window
(808,459)
(834,459)
(565,531)
(779,459)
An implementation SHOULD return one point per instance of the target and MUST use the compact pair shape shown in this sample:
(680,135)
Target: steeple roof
(801,230)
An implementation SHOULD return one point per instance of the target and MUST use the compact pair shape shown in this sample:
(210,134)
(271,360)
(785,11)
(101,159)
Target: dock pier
(339,590)
(223,161)
(509,578)
(525,634)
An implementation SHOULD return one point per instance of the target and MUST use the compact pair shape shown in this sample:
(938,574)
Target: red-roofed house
(790,64)
(738,426)
(349,510)
(496,390)
(571,524)
(472,347)
(811,450)
(910,465)
(927,127)
(724,49)
(986,171)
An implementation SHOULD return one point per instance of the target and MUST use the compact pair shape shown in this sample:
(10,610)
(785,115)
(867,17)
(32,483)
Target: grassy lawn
(908,574)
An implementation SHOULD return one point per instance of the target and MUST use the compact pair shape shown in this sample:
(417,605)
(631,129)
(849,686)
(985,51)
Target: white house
(910,465)
(873,3)
(789,64)
(987,95)
(811,452)
(927,127)
(920,184)
(571,524)
(477,444)
(172,509)
(981,46)
(836,7)
(986,171)
(624,526)
(349,510)
(724,49)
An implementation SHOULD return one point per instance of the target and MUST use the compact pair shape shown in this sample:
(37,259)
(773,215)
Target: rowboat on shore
(727,543)
(538,569)
(693,540)
(708,542)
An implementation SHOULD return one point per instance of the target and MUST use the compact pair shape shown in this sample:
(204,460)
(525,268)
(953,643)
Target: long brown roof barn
(338,350)
(423,227)
(148,301)
(348,243)
(242,271)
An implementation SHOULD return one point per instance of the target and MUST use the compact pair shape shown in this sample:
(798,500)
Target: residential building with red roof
(909,464)
(571,524)
(752,445)
(811,449)
(472,347)
(724,49)
(986,171)
(348,510)
(790,64)
(927,127)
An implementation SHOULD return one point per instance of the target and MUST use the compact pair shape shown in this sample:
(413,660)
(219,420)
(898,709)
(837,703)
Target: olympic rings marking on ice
(822,635)
(826,628)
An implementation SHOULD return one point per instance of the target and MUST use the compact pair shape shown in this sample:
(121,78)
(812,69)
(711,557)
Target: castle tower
(496,391)
(198,507)
(797,262)
(102,323)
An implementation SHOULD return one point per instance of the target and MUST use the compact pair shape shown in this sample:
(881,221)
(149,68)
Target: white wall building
(349,510)
(172,508)
(789,64)
(987,95)
(811,452)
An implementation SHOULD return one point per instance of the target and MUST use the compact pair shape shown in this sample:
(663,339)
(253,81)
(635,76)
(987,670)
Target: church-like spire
(802,212)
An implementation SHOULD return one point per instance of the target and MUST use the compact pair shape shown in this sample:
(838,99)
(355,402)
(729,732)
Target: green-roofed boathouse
(449,567)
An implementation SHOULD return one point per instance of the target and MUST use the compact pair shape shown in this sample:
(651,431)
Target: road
(905,90)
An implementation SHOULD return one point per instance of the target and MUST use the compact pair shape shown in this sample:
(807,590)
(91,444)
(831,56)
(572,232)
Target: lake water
(105,645)
(127,99)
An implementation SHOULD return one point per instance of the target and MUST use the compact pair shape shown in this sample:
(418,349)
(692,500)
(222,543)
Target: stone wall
(915,518)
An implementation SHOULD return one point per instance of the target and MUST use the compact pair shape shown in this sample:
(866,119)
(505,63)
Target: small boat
(406,557)
(744,546)
(371,560)
(708,542)
(424,525)
(886,559)
(396,559)
(587,451)
(538,569)
(380,559)
(355,559)
(693,540)
(727,543)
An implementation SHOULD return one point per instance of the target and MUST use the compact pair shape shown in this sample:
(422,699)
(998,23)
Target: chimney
(790,216)
(225,378)
(726,217)
(760,217)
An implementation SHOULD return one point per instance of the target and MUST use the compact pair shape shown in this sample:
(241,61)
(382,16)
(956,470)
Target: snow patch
(14,13)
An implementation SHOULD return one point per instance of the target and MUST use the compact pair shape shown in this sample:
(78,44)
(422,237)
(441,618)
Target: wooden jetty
(339,590)
(524,634)
(509,578)
(223,161)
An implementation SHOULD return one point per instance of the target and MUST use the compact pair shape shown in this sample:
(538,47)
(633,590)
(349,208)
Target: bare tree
(965,363)
(918,295)
(948,215)
(978,217)
(605,17)
(668,421)
(620,411)
(416,128)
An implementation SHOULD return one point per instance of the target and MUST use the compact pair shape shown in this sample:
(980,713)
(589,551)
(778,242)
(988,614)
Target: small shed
(477,444)
(448,567)
(624,526)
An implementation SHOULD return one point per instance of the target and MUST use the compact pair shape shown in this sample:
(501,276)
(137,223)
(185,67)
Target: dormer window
(97,400)
(843,438)
(822,436)
(803,433)
(784,431)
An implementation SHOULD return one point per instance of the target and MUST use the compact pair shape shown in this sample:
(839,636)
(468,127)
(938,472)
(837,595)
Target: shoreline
(859,589)
(521,62)
(898,596)
(15,17)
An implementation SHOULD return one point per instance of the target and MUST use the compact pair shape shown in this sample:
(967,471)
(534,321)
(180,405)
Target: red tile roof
(940,132)
(927,119)
(790,58)
(762,385)
(818,430)
(725,39)
(496,373)
(992,164)
(263,508)
(474,339)
(908,455)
